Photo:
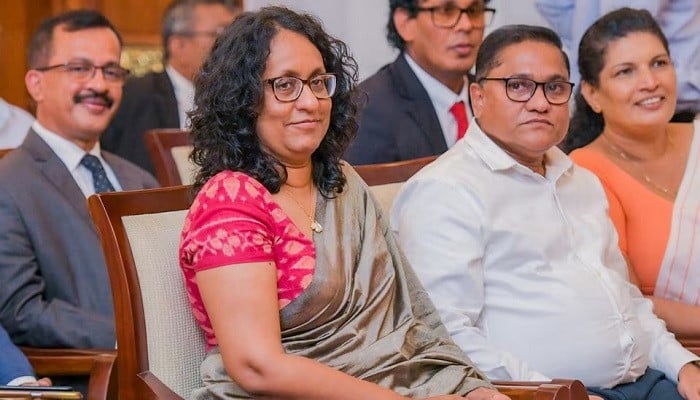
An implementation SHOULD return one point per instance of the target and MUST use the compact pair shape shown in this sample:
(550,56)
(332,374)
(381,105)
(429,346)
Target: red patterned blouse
(235,220)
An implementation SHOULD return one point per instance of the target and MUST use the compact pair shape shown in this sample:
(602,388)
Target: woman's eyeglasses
(288,88)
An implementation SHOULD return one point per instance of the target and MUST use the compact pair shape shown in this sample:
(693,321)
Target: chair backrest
(169,150)
(386,179)
(3,152)
(160,346)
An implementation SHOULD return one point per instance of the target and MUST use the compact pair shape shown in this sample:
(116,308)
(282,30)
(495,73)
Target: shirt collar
(180,83)
(557,163)
(68,152)
(443,98)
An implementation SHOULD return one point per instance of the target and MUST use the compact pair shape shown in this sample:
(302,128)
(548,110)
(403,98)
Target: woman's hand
(483,393)
(40,382)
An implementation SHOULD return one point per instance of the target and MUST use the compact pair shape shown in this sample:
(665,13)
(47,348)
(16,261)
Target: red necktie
(459,111)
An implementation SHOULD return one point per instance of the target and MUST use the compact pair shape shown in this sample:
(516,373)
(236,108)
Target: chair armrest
(157,388)
(690,343)
(543,391)
(97,364)
(565,389)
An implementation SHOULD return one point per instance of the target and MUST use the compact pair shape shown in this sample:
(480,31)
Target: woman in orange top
(648,166)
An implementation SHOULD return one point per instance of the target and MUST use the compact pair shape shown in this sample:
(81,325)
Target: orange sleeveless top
(642,218)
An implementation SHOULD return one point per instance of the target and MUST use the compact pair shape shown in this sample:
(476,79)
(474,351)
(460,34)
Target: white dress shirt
(443,98)
(14,125)
(525,270)
(184,94)
(71,154)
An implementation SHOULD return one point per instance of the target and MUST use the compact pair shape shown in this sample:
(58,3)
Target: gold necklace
(623,155)
(315,226)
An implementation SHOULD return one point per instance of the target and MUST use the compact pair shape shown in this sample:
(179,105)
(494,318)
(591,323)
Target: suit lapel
(418,104)
(56,173)
(166,92)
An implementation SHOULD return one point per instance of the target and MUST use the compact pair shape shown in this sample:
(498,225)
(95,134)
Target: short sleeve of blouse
(231,221)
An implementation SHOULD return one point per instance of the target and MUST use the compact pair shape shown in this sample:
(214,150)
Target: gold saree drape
(365,313)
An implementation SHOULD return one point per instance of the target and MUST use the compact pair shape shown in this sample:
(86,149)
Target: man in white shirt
(14,125)
(514,245)
(55,291)
(163,99)
(418,105)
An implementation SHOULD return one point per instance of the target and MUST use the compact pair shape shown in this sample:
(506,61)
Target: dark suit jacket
(13,363)
(55,290)
(398,121)
(148,102)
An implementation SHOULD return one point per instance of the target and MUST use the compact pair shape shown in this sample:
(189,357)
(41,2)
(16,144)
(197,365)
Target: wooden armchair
(160,344)
(691,343)
(3,152)
(97,364)
(169,150)
(386,179)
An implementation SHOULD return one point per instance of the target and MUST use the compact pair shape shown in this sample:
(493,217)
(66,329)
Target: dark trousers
(653,385)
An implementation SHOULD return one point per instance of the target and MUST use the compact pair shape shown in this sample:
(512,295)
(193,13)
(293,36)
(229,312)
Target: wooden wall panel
(17,20)
(137,20)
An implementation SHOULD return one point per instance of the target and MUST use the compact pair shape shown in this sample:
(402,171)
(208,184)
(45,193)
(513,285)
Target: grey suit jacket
(397,119)
(148,103)
(55,290)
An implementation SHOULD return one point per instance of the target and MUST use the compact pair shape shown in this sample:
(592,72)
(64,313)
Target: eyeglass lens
(448,16)
(556,92)
(289,88)
(84,70)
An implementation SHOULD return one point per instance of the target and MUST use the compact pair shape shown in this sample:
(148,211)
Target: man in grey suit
(162,99)
(418,105)
(55,290)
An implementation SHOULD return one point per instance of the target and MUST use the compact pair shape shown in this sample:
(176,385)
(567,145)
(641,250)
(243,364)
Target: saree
(365,312)
(679,275)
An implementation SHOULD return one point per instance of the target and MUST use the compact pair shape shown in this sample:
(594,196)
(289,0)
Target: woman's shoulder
(233,187)
(592,157)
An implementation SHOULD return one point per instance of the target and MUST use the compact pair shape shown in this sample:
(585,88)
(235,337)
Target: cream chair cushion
(385,194)
(185,168)
(176,345)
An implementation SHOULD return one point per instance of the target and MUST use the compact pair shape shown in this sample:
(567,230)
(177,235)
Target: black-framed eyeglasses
(448,15)
(521,90)
(85,70)
(288,88)
(215,33)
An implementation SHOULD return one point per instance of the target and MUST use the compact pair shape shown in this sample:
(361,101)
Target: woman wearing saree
(291,269)
(650,168)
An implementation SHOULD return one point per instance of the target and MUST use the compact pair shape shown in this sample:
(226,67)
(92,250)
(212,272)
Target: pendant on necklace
(316,227)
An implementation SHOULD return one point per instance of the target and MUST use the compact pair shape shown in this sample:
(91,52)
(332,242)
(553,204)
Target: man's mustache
(92,94)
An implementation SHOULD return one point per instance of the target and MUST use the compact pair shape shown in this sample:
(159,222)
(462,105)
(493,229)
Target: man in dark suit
(418,105)
(162,99)
(55,290)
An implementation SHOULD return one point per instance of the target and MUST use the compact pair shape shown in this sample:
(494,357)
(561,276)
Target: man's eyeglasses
(85,70)
(521,90)
(447,16)
(288,88)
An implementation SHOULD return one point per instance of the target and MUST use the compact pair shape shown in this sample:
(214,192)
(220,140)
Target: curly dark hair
(586,125)
(229,94)
(392,34)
